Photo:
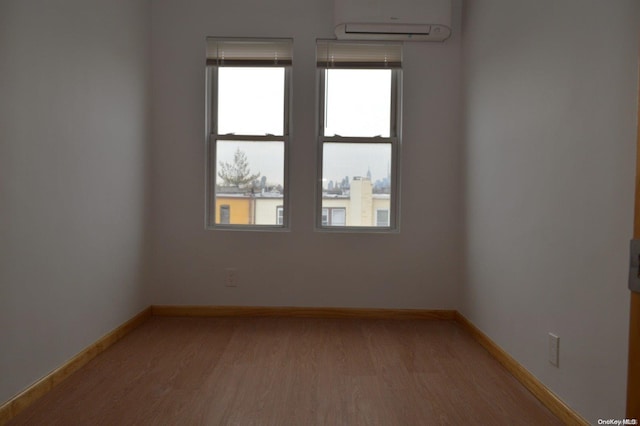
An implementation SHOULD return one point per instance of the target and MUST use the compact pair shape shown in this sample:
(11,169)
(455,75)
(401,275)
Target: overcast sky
(251,102)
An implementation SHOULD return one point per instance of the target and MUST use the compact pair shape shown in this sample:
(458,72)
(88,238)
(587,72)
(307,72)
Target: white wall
(416,268)
(73,114)
(550,138)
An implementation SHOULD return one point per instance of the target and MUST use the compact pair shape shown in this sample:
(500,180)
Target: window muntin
(248,119)
(359,140)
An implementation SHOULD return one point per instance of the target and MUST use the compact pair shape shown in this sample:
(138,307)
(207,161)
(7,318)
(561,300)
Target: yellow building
(234,209)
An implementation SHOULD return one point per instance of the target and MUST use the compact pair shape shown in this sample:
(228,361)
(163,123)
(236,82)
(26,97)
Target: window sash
(239,74)
(212,114)
(393,114)
(394,140)
(211,148)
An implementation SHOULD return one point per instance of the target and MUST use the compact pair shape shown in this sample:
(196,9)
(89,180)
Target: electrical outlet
(231,278)
(554,349)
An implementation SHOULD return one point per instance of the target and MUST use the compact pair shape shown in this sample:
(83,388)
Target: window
(382,217)
(225,214)
(279,215)
(359,139)
(248,106)
(334,216)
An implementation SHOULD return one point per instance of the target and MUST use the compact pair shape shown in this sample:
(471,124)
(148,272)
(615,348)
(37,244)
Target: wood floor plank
(291,371)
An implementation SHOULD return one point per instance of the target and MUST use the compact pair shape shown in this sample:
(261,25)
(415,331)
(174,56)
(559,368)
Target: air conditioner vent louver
(387,29)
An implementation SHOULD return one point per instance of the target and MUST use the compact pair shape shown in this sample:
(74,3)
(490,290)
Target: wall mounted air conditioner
(404,20)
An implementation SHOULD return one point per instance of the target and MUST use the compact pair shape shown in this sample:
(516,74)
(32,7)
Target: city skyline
(341,160)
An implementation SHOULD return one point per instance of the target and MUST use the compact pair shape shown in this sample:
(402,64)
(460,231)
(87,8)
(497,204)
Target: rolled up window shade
(350,54)
(249,52)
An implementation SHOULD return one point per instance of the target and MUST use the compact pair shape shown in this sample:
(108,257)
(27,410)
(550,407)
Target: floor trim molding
(300,312)
(528,380)
(15,405)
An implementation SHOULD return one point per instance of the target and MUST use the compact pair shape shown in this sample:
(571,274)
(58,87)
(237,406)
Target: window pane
(358,102)
(356,177)
(250,181)
(250,101)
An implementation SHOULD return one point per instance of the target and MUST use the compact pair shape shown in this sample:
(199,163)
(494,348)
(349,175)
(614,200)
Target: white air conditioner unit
(404,20)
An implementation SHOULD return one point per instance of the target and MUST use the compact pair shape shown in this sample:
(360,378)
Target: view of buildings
(243,197)
(358,202)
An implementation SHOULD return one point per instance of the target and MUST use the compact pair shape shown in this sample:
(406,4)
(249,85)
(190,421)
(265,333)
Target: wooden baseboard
(11,408)
(528,380)
(296,312)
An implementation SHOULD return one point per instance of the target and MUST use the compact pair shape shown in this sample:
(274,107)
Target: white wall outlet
(554,349)
(231,279)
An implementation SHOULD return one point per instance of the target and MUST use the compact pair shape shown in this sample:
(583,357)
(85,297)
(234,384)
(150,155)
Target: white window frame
(212,137)
(394,139)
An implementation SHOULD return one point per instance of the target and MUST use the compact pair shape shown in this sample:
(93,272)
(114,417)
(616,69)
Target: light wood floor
(289,371)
